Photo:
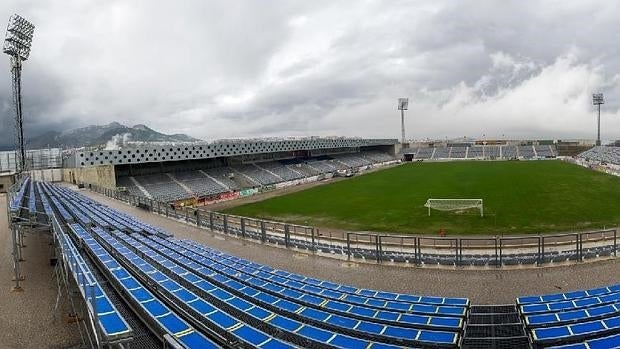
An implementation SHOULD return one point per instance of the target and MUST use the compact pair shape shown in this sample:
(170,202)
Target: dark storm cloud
(216,69)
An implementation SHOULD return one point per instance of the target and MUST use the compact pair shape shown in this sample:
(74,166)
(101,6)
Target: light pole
(597,99)
(403,104)
(17,44)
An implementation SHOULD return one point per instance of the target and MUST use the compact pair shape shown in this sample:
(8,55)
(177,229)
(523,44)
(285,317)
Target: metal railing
(534,250)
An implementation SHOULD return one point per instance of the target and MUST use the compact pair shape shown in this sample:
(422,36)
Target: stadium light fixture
(17,43)
(598,99)
(403,104)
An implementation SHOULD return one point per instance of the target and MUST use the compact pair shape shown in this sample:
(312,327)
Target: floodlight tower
(17,44)
(403,104)
(597,99)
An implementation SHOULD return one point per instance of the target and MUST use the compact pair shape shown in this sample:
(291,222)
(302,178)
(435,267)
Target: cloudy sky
(228,69)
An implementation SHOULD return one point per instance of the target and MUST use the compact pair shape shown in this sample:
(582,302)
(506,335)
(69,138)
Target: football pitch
(519,197)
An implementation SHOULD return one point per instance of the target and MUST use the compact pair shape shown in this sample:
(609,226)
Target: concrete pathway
(26,319)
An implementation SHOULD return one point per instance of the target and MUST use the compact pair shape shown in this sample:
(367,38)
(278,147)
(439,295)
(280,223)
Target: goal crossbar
(454,204)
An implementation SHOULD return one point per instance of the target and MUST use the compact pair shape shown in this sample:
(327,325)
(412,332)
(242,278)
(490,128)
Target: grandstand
(153,289)
(230,302)
(602,154)
(479,152)
(202,173)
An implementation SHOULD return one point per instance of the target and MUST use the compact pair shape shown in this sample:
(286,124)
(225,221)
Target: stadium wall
(47,175)
(6,181)
(103,175)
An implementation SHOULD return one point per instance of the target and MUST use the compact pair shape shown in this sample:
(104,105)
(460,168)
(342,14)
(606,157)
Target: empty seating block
(509,151)
(475,152)
(258,175)
(441,153)
(525,151)
(230,295)
(602,154)
(424,153)
(19,197)
(574,317)
(458,152)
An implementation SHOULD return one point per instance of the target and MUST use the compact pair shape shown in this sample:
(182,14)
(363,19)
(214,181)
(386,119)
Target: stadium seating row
(270,309)
(587,317)
(209,182)
(113,325)
(483,152)
(260,306)
(160,315)
(603,154)
(298,314)
(18,200)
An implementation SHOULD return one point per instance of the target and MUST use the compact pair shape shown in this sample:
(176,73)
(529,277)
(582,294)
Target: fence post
(211,220)
(263,232)
(418,251)
(615,246)
(459,252)
(541,249)
(197,218)
(286,235)
(501,251)
(312,233)
(497,265)
(167,214)
(349,245)
(225,224)
(243,227)
(186,215)
(580,247)
(377,249)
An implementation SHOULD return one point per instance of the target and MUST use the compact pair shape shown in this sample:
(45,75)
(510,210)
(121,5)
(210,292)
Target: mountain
(100,135)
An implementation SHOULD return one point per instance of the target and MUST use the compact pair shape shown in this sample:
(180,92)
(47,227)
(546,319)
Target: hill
(519,197)
(96,135)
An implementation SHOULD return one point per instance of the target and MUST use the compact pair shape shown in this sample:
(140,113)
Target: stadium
(306,241)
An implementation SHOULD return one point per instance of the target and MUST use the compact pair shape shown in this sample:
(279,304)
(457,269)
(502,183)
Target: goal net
(454,205)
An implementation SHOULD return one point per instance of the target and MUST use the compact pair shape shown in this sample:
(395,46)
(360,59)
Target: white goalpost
(454,205)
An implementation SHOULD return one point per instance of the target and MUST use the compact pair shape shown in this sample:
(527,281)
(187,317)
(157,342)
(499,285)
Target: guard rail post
(263,232)
(418,251)
(615,245)
(349,245)
(541,250)
(580,247)
(287,236)
(497,265)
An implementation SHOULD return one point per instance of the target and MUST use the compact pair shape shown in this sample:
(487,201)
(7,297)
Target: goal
(454,205)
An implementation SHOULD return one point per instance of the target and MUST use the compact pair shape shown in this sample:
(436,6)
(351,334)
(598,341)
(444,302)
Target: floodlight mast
(598,99)
(17,44)
(403,104)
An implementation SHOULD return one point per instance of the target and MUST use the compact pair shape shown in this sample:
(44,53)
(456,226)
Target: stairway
(494,327)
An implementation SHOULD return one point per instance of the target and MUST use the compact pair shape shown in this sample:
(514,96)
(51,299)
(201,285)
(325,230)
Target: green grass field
(519,197)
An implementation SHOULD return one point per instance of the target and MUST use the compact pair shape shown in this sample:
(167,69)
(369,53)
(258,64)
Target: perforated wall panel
(147,154)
